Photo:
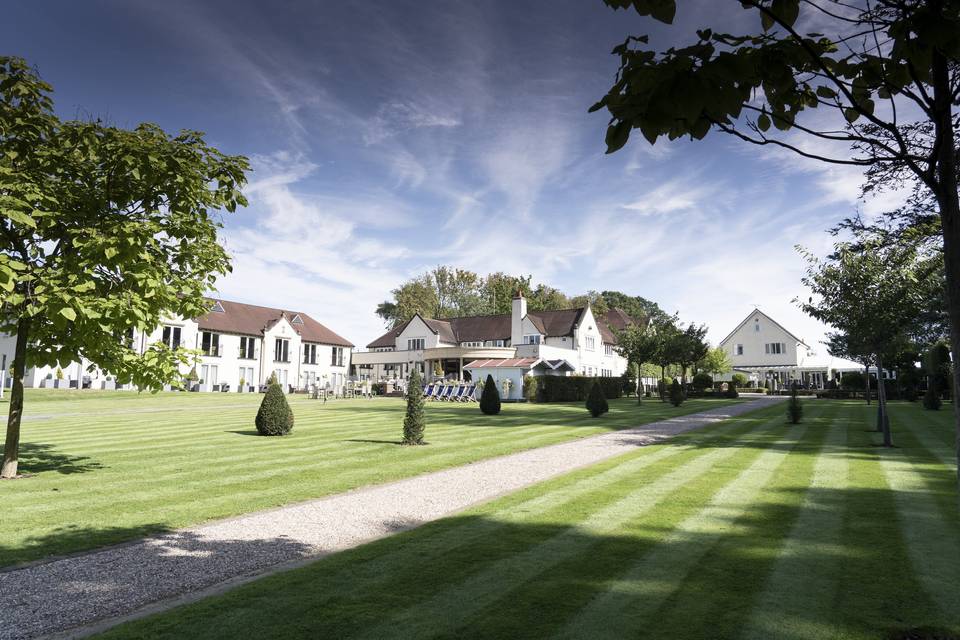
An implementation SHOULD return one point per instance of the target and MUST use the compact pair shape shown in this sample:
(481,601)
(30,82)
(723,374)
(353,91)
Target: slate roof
(497,327)
(253,320)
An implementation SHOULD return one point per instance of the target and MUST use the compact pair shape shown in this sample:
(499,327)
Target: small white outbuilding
(508,373)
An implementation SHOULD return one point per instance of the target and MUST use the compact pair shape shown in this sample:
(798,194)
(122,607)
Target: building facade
(443,348)
(763,350)
(240,346)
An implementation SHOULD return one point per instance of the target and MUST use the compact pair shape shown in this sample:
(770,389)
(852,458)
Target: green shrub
(931,399)
(794,408)
(676,393)
(414,422)
(275,418)
(739,380)
(490,398)
(575,388)
(732,390)
(910,393)
(530,388)
(596,402)
(853,380)
(702,381)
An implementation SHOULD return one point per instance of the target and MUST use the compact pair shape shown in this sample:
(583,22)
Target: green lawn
(112,466)
(751,529)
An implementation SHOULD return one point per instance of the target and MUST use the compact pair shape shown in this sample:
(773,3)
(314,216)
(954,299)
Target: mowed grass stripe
(142,471)
(647,584)
(929,529)
(498,579)
(798,599)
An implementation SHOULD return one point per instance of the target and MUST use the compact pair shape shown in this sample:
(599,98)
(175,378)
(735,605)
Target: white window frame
(532,338)
(281,350)
(590,343)
(416,344)
(738,350)
(172,336)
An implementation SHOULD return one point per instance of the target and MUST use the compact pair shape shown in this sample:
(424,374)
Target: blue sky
(388,137)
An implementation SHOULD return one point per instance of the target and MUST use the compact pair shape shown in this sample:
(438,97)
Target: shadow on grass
(396,442)
(481,577)
(38,457)
(244,432)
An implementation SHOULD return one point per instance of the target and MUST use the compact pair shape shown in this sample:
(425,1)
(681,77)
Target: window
(608,349)
(246,376)
(336,357)
(171,337)
(297,319)
(246,347)
(210,343)
(589,343)
(472,344)
(738,351)
(217,307)
(281,350)
(281,375)
(532,339)
(382,349)
(607,373)
(756,324)
(496,343)
(415,344)
(309,354)
(776,348)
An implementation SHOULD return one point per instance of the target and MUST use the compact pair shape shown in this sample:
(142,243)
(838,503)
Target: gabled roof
(253,320)
(755,312)
(497,327)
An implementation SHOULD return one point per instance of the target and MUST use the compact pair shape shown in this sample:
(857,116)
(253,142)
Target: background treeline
(450,292)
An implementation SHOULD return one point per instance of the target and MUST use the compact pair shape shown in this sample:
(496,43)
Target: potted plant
(58,382)
(240,387)
(109,383)
(48,381)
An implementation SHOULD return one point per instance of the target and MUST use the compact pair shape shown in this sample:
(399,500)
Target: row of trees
(449,292)
(665,342)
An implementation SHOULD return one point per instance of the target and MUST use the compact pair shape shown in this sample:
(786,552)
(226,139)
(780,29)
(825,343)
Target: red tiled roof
(253,320)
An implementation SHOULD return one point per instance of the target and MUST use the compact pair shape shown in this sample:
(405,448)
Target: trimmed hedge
(576,388)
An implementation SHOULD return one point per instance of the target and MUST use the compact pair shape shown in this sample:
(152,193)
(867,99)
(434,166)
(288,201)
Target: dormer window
(297,319)
(217,307)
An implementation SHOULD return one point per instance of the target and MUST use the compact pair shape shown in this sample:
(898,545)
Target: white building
(764,350)
(443,348)
(239,343)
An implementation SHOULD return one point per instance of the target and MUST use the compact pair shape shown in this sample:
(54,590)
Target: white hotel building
(238,343)
(570,340)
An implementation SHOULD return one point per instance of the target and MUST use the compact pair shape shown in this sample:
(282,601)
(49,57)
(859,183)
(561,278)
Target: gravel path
(73,593)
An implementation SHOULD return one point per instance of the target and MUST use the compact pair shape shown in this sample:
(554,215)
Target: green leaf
(766,21)
(617,136)
(826,92)
(763,122)
(851,115)
(68,313)
(110,252)
(786,10)
(21,218)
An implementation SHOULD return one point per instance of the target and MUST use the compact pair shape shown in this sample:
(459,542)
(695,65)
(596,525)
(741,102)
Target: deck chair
(427,391)
(447,393)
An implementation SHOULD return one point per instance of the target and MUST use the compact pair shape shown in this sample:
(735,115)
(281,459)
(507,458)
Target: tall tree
(636,307)
(715,362)
(103,230)
(871,295)
(886,70)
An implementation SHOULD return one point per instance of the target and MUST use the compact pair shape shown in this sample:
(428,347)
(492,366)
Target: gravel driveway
(70,595)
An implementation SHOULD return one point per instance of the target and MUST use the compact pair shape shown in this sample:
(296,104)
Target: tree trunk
(663,384)
(949,203)
(11,447)
(882,406)
(866,382)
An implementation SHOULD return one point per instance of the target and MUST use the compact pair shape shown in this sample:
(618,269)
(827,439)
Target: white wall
(755,333)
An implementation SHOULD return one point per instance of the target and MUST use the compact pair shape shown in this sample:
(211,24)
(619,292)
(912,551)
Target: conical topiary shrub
(732,389)
(414,422)
(931,399)
(596,402)
(676,393)
(490,398)
(794,408)
(275,418)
